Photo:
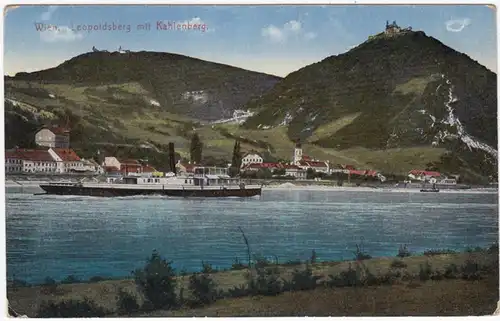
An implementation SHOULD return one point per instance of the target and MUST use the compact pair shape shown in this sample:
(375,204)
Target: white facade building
(251,158)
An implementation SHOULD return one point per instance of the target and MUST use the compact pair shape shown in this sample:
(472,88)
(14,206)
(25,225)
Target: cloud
(48,14)
(60,34)
(274,33)
(281,35)
(457,25)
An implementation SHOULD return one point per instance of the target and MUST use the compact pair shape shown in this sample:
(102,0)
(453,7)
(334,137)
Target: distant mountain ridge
(389,104)
(184,85)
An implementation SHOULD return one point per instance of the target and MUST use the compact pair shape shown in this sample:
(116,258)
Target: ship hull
(123,192)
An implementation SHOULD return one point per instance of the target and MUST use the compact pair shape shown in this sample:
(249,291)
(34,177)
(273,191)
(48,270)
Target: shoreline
(9,184)
(26,299)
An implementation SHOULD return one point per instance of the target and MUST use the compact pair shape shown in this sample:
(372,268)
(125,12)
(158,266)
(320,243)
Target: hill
(391,93)
(391,104)
(129,99)
(179,84)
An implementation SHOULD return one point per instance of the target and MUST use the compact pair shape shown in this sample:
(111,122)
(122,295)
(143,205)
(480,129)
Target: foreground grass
(407,285)
(432,298)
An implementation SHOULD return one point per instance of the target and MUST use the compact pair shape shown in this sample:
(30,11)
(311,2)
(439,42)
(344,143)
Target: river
(57,236)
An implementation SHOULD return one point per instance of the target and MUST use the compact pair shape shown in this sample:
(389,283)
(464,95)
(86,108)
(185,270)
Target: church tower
(297,155)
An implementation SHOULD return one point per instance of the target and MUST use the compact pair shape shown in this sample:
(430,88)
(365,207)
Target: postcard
(251,160)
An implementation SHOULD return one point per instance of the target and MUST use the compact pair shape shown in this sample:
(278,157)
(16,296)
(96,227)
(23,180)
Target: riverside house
(53,137)
(251,158)
(184,167)
(67,160)
(422,175)
(29,161)
(42,160)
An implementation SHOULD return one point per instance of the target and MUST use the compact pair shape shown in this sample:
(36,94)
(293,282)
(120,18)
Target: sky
(271,39)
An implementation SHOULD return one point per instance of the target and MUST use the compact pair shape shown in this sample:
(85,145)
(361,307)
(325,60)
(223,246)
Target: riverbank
(432,284)
(15,185)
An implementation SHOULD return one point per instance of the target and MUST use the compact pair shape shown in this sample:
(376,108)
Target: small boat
(204,182)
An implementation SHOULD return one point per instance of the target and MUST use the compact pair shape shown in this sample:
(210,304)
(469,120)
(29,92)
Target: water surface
(57,236)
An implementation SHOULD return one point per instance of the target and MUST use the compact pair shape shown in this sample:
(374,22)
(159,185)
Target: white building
(29,161)
(297,154)
(295,171)
(13,162)
(55,137)
(251,158)
(111,162)
(67,160)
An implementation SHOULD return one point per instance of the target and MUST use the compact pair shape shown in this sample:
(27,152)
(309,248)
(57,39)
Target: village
(53,157)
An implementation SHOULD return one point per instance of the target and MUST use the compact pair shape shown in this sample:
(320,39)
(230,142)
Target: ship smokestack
(171,157)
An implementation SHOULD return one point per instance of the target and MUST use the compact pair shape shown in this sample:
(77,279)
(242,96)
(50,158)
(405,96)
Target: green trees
(157,281)
(196,149)
(236,160)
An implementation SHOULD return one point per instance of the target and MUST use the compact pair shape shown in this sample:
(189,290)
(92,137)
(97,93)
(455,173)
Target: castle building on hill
(393,28)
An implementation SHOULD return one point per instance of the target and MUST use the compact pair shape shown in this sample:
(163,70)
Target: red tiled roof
(111,169)
(148,169)
(306,158)
(130,162)
(265,165)
(34,155)
(313,164)
(67,155)
(12,154)
(368,172)
(129,167)
(418,172)
(189,167)
(357,172)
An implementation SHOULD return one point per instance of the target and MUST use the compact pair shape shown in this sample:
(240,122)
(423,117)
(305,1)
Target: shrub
(360,254)
(398,264)
(313,257)
(473,249)
(425,272)
(266,281)
(349,277)
(439,252)
(403,251)
(237,265)
(261,261)
(451,271)
(157,281)
(303,280)
(470,270)
(127,303)
(70,279)
(70,309)
(238,291)
(207,268)
(97,278)
(203,289)
(493,249)
(293,262)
